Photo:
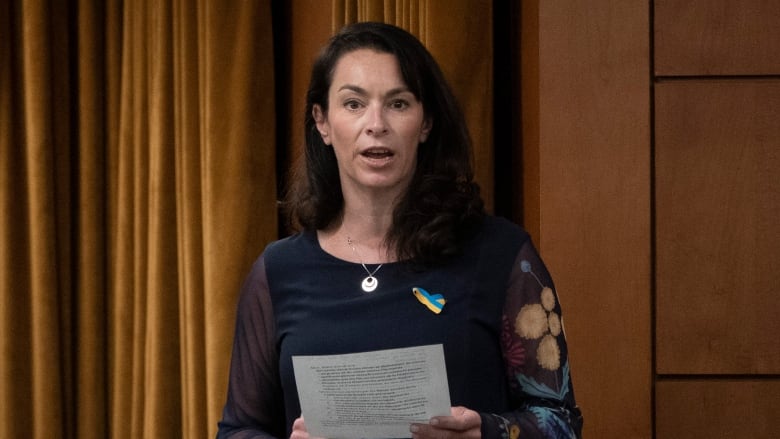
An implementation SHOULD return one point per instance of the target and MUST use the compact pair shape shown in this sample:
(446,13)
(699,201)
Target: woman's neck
(360,234)
(367,230)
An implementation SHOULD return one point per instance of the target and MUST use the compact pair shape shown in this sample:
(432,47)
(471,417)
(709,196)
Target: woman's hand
(299,430)
(463,424)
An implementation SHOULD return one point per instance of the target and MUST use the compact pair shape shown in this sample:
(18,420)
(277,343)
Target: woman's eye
(399,104)
(352,105)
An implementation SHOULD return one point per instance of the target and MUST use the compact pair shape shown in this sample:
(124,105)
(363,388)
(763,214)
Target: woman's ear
(426,129)
(322,123)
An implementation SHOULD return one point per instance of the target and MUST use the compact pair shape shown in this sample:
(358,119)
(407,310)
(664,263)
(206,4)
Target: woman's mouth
(377,153)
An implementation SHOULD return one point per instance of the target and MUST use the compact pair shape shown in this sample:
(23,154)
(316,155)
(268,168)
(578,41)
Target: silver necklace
(369,283)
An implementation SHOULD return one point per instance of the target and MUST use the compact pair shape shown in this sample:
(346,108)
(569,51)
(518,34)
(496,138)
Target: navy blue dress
(500,327)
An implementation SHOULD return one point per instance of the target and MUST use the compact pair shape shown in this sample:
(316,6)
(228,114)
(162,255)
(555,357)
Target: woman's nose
(376,122)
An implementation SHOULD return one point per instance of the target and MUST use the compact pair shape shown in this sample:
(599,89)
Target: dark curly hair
(442,206)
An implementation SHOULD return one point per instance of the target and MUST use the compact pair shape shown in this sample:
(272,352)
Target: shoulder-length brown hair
(442,205)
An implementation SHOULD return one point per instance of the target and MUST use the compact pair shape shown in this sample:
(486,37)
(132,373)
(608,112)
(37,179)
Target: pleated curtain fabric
(138,183)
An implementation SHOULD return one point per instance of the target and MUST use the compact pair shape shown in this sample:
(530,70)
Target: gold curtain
(138,150)
(137,183)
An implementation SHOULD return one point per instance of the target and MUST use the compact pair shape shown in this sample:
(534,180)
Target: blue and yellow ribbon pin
(434,302)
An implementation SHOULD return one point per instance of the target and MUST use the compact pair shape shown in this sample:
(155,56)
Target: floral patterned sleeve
(536,358)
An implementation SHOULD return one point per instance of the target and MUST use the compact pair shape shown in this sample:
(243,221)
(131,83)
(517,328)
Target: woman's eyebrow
(360,90)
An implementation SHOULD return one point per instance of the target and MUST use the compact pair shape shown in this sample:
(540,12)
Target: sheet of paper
(374,394)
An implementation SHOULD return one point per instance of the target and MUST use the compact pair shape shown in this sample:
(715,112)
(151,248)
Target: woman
(390,217)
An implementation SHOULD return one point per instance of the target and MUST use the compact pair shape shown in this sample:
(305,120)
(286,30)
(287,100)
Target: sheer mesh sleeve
(254,405)
(536,358)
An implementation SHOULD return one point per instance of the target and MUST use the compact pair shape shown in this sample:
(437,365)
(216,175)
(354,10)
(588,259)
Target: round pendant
(369,284)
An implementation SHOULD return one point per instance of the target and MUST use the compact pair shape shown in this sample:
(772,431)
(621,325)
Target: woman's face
(374,123)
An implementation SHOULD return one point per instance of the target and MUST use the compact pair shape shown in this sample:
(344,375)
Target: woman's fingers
(463,424)
(299,429)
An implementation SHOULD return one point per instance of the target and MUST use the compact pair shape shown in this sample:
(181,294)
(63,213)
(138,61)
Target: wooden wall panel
(738,408)
(718,232)
(586,140)
(717,37)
